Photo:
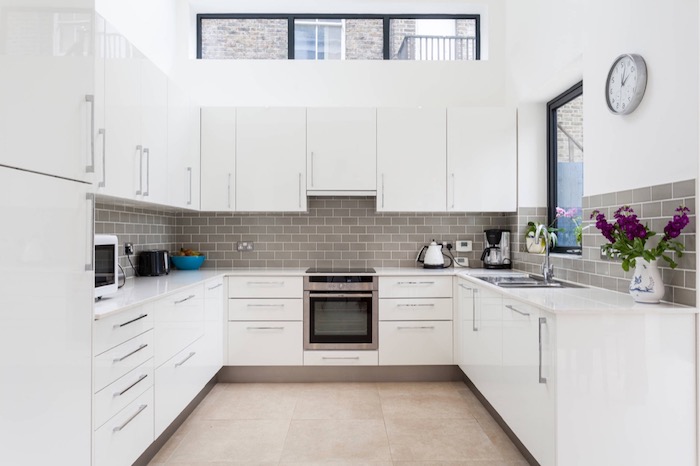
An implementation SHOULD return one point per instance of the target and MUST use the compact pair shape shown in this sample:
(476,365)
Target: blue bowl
(187,262)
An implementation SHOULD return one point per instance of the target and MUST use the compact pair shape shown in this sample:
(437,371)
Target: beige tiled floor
(340,424)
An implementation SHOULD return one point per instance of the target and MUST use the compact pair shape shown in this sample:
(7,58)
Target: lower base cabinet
(422,342)
(265,343)
(126,436)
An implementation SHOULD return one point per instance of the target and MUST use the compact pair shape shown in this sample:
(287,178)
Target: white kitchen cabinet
(415,343)
(271,160)
(341,358)
(265,309)
(183,149)
(45,318)
(424,286)
(114,330)
(481,159)
(214,319)
(115,362)
(135,130)
(265,343)
(265,286)
(116,396)
(218,159)
(179,321)
(47,87)
(341,151)
(411,160)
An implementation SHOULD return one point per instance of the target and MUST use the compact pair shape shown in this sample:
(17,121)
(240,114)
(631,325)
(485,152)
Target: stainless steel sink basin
(526,281)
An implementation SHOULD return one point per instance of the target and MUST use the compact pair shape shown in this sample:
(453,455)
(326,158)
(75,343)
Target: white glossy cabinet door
(123,145)
(46,87)
(45,320)
(271,160)
(481,159)
(411,160)
(154,134)
(423,342)
(214,318)
(341,150)
(218,159)
(183,149)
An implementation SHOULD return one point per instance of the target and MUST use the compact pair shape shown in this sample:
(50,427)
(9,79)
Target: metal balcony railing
(437,48)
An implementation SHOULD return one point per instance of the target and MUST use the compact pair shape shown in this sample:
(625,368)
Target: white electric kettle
(431,257)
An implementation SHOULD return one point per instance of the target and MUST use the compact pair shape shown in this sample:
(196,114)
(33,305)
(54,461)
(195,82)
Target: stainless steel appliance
(106,265)
(340,309)
(153,263)
(496,254)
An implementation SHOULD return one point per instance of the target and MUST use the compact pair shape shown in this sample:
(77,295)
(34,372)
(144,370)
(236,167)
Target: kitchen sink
(526,281)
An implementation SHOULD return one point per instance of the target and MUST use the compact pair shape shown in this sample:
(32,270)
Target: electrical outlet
(245,246)
(128,248)
(463,245)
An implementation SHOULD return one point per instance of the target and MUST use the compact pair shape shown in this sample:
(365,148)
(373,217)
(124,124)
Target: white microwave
(106,265)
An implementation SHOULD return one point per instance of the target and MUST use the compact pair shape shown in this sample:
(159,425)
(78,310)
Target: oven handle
(341,295)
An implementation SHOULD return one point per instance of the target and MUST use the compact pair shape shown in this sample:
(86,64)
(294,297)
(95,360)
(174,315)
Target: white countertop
(141,290)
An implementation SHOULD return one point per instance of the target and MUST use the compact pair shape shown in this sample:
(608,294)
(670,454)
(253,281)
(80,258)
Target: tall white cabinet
(218,149)
(183,149)
(411,159)
(46,290)
(271,159)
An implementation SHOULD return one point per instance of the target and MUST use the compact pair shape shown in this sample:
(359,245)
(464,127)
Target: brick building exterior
(570,117)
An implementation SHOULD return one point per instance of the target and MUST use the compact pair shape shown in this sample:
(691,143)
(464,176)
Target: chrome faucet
(547,267)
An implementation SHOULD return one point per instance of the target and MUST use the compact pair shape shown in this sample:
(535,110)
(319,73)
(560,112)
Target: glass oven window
(341,320)
(104,265)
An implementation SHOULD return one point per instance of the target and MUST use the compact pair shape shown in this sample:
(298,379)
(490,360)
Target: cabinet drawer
(415,309)
(116,396)
(265,309)
(415,287)
(214,289)
(115,363)
(341,358)
(265,343)
(265,287)
(518,312)
(415,343)
(179,321)
(127,435)
(185,306)
(177,383)
(114,330)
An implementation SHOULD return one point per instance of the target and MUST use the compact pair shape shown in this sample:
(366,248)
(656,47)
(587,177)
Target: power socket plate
(245,246)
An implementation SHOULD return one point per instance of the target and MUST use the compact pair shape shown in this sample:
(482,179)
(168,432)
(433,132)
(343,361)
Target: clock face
(626,84)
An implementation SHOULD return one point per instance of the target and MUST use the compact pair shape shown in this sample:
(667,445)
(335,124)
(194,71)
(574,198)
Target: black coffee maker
(496,254)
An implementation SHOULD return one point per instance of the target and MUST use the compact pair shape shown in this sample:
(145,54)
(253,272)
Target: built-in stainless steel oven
(340,310)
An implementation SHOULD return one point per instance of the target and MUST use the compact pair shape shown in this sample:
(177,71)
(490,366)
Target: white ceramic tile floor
(340,424)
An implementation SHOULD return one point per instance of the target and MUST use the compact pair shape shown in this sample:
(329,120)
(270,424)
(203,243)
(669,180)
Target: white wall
(658,143)
(345,83)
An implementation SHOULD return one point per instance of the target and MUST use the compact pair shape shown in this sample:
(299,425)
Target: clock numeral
(612,80)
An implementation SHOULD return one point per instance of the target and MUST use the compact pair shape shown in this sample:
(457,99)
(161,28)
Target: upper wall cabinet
(481,159)
(218,158)
(183,149)
(411,160)
(271,159)
(341,151)
(134,137)
(47,88)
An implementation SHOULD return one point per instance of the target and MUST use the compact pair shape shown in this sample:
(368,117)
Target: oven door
(340,321)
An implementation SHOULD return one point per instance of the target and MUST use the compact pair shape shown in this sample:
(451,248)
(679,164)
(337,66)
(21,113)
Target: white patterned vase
(646,285)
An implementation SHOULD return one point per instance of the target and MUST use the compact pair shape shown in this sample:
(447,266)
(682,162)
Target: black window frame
(552,106)
(386,19)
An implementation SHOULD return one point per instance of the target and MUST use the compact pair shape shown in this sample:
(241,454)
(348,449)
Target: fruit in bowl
(187,259)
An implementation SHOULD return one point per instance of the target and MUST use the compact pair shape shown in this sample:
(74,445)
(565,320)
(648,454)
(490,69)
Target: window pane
(237,38)
(304,42)
(569,188)
(432,39)
(318,39)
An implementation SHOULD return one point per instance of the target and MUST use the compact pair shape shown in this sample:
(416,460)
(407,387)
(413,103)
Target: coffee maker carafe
(496,254)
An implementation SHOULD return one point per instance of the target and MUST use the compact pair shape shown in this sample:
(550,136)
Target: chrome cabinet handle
(424,327)
(142,346)
(89,98)
(140,190)
(131,418)
(312,169)
(147,153)
(543,320)
(90,266)
(186,359)
(103,133)
(215,286)
(143,376)
(415,305)
(340,295)
(300,189)
(474,328)
(415,283)
(267,283)
(189,172)
(185,299)
(265,305)
(382,190)
(264,328)
(356,358)
(526,314)
(453,190)
(142,316)
(229,191)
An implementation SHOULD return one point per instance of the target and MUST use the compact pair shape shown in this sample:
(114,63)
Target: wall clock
(626,83)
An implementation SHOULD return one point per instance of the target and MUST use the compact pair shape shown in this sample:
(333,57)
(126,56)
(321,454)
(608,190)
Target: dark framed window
(338,36)
(565,168)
